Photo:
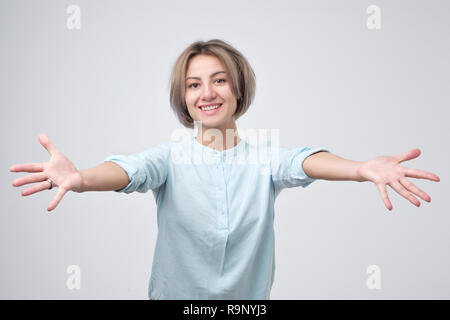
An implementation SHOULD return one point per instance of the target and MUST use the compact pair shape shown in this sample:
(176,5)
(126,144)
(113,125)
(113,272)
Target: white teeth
(211,107)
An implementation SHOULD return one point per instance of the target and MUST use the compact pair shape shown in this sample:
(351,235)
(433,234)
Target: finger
(44,185)
(35,177)
(382,189)
(414,189)
(46,143)
(59,195)
(415,173)
(27,167)
(402,191)
(411,154)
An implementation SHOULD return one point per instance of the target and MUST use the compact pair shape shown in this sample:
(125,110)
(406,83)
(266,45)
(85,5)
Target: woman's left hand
(386,170)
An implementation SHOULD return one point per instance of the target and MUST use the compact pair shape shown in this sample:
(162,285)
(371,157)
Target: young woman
(215,194)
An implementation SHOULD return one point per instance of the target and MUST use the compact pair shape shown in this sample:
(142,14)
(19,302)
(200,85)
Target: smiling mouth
(209,108)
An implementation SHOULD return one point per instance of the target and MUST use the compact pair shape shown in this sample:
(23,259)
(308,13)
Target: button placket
(222,216)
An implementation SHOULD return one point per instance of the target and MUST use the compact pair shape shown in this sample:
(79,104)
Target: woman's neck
(218,138)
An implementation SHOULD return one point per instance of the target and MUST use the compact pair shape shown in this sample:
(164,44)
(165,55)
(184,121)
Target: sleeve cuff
(299,172)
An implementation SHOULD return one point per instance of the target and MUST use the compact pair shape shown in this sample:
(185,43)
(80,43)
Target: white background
(323,79)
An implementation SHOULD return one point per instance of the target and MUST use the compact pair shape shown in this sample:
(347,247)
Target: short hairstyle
(241,75)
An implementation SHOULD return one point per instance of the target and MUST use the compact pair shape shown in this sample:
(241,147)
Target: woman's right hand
(59,169)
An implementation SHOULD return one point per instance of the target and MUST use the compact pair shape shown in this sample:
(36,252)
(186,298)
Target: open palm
(59,169)
(386,170)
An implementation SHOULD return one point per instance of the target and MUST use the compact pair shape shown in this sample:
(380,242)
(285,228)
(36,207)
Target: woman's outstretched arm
(66,177)
(382,171)
(107,176)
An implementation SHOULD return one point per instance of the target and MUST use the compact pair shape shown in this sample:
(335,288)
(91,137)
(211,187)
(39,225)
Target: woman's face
(208,84)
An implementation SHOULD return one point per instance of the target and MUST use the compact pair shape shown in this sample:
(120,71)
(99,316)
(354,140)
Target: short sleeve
(287,167)
(146,170)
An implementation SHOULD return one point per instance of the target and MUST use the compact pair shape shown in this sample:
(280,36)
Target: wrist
(359,176)
(80,186)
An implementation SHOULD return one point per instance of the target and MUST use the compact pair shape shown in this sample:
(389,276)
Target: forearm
(327,166)
(107,176)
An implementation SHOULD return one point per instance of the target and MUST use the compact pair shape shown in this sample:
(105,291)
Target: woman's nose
(208,92)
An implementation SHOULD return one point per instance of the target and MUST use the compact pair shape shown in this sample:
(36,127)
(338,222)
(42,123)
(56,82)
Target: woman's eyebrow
(212,75)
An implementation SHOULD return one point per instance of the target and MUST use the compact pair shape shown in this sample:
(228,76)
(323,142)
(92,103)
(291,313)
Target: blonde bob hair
(241,75)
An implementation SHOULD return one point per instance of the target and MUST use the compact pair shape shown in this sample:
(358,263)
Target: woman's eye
(194,85)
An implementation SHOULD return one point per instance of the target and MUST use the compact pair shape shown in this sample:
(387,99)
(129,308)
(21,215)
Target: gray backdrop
(324,79)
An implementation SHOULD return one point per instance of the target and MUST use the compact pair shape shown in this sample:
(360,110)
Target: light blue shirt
(215,214)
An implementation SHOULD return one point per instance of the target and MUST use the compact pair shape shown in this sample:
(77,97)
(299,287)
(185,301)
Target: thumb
(46,143)
(409,155)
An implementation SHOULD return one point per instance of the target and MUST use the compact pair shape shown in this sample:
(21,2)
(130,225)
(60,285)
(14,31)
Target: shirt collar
(227,153)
